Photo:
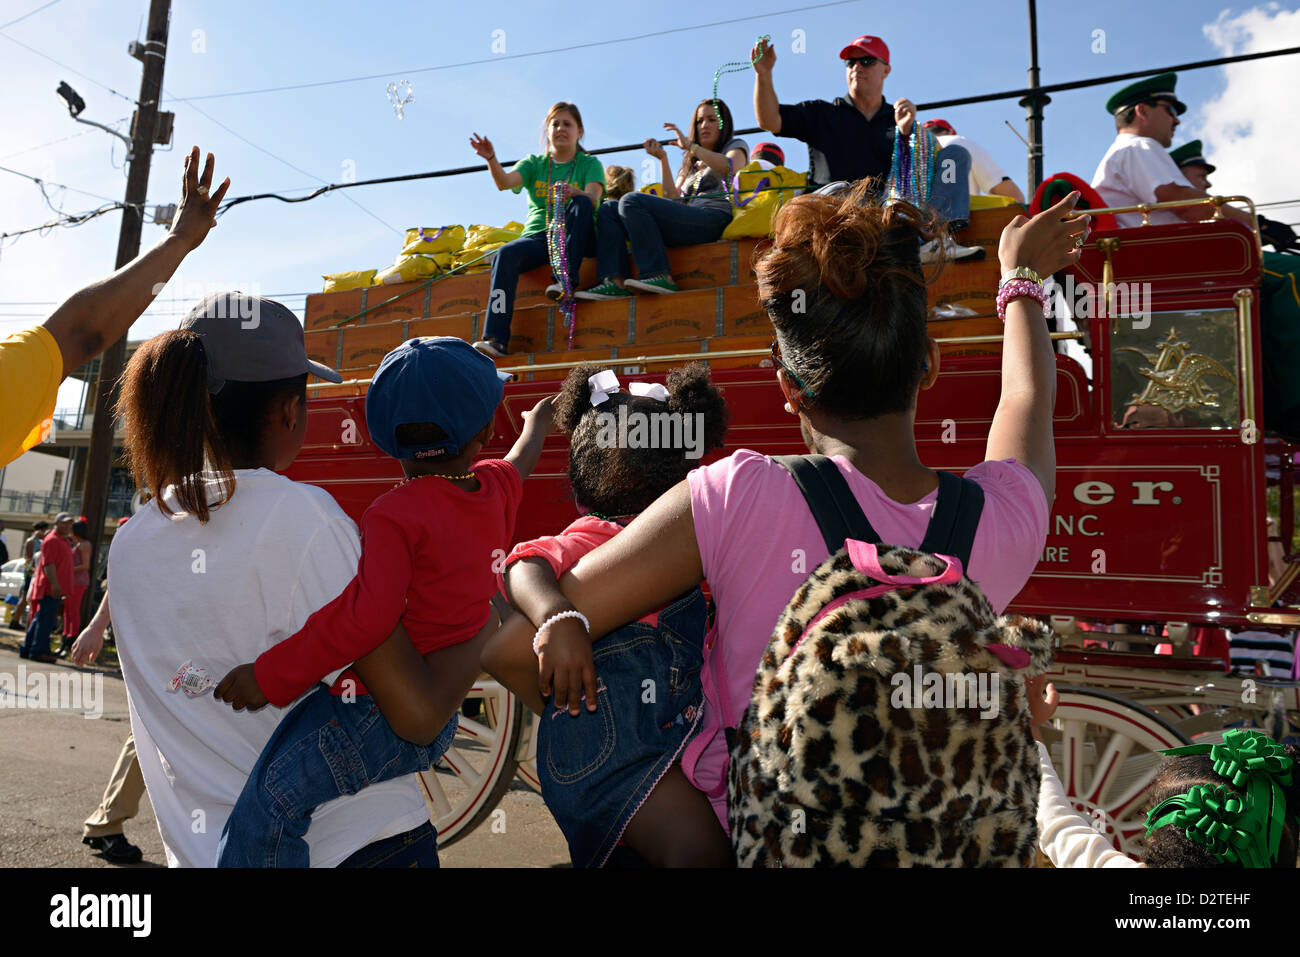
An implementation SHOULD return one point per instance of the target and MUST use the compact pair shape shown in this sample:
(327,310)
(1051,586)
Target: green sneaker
(657,284)
(608,289)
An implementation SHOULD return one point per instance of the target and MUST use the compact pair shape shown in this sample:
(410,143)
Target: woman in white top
(229,558)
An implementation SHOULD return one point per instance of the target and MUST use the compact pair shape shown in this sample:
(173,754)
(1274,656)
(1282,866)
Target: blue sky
(626,90)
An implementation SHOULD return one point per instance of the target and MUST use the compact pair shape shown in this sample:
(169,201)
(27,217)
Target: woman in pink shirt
(843,286)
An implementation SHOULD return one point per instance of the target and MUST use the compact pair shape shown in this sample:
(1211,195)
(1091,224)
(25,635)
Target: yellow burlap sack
(759,193)
(355,279)
(481,236)
(411,268)
(468,255)
(434,239)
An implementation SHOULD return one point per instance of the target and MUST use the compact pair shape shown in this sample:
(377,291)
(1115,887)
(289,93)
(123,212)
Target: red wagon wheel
(465,787)
(1106,752)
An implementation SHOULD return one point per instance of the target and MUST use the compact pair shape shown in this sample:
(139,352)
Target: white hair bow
(605,382)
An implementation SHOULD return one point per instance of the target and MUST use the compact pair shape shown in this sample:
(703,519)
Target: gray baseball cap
(251,339)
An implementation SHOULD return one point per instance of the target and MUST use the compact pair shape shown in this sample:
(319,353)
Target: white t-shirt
(218,595)
(1130,172)
(985,173)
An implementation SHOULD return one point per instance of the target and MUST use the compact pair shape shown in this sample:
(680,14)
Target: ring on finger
(203,191)
(1078,242)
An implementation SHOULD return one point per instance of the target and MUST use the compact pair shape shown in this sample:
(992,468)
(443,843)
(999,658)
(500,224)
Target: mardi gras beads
(911,171)
(557,249)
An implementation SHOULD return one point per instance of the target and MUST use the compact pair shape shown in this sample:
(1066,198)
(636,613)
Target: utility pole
(1033,104)
(99,463)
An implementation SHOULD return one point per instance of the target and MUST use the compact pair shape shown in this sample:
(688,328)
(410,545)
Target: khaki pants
(122,796)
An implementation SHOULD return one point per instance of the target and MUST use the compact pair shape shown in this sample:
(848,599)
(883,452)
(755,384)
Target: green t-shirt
(534,168)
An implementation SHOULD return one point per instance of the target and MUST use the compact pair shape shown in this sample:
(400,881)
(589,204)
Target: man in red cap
(852,137)
(986,176)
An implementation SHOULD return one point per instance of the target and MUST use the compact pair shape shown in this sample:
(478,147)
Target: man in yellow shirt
(33,362)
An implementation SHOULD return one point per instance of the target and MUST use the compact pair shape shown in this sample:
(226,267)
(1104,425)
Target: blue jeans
(949,190)
(597,768)
(418,847)
(324,748)
(529,252)
(653,223)
(40,627)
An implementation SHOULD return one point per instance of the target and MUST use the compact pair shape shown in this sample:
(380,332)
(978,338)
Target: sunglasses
(776,360)
(864,60)
(1169,108)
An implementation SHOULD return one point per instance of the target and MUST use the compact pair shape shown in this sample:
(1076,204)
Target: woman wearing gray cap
(228,558)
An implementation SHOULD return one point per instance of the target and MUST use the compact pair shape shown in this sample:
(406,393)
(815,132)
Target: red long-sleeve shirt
(427,554)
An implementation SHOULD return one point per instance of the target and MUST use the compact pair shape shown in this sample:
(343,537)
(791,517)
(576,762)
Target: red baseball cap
(943,126)
(866,46)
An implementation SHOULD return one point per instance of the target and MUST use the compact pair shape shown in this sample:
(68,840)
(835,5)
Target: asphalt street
(57,761)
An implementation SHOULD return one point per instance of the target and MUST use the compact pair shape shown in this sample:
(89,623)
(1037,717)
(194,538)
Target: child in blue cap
(427,552)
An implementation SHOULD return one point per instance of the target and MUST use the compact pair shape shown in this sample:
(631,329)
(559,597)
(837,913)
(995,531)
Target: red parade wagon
(1164,467)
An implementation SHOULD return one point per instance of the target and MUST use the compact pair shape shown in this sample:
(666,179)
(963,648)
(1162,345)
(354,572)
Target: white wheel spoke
(463,769)
(1109,765)
(437,796)
(481,733)
(1073,745)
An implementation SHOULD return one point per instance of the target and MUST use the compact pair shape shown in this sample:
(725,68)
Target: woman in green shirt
(584,182)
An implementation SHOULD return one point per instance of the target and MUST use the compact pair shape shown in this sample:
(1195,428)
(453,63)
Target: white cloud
(1249,130)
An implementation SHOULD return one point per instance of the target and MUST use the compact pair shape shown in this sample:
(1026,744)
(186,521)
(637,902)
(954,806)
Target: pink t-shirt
(758,541)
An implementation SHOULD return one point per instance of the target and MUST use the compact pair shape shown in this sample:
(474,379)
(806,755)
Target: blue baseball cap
(440,379)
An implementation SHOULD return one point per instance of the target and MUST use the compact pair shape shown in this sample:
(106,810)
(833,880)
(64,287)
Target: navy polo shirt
(842,143)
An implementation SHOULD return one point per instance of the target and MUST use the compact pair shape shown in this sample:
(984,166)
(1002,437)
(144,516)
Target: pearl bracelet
(1017,288)
(537,638)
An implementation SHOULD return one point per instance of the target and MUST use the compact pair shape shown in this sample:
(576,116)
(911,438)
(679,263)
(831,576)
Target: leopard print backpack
(889,723)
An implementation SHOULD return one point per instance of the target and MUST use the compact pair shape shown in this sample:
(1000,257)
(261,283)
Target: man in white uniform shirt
(986,176)
(1137,167)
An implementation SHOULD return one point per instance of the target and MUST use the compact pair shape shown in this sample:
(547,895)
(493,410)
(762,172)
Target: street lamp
(75,107)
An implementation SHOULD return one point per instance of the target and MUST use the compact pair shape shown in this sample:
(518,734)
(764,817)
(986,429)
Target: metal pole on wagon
(1033,104)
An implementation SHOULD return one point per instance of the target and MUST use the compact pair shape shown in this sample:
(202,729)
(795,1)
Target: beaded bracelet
(1016,289)
(537,638)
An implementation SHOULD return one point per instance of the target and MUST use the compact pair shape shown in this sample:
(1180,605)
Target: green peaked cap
(1159,87)
(1191,154)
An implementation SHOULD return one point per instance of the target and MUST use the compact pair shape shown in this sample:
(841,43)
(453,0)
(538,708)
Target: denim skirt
(597,768)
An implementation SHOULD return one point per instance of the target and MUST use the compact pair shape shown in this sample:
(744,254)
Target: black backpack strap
(956,516)
(838,514)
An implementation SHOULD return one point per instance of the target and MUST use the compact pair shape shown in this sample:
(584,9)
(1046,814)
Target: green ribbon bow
(1236,829)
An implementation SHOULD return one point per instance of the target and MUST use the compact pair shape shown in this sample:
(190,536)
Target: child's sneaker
(658,284)
(608,289)
(555,291)
(491,347)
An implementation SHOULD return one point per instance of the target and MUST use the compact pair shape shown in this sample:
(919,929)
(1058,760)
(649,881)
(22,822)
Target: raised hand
(905,115)
(1047,243)
(655,148)
(482,146)
(683,141)
(763,56)
(197,212)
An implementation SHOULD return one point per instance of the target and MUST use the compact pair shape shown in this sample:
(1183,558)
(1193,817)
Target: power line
(33,149)
(6,26)
(90,79)
(516,56)
(38,181)
(281,159)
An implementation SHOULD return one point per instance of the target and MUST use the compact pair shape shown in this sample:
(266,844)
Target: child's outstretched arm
(539,422)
